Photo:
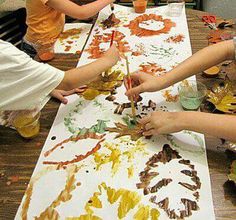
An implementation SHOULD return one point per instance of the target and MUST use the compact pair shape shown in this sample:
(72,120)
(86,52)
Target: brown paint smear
(123,130)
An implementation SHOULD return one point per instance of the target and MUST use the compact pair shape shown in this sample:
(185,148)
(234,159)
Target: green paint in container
(191,94)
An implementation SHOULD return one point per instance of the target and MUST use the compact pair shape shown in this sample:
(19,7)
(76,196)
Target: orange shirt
(44,23)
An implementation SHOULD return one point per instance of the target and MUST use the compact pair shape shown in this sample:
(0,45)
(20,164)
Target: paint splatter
(149,173)
(127,200)
(175,39)
(115,154)
(77,158)
(73,33)
(152,69)
(96,51)
(135,28)
(169,97)
(64,196)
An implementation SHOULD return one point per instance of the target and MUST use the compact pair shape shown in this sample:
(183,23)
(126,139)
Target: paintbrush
(111,43)
(112,7)
(130,87)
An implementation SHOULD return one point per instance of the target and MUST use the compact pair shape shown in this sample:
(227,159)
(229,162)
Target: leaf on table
(104,85)
(232,175)
(135,132)
(223,97)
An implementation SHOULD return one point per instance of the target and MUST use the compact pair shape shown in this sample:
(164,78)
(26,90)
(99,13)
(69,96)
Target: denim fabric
(28,49)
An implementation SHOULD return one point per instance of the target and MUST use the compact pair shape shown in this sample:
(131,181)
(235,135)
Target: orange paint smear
(151,68)
(74,139)
(67,48)
(77,158)
(46,56)
(175,39)
(141,32)
(95,50)
(169,97)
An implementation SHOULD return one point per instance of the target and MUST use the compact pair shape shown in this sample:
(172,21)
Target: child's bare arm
(222,126)
(82,75)
(76,11)
(198,62)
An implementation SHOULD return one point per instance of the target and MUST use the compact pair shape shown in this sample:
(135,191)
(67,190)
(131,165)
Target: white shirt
(24,83)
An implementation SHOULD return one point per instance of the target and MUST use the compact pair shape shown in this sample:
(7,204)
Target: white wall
(222,8)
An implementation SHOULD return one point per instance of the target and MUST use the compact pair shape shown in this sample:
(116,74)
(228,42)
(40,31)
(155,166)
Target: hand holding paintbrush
(111,43)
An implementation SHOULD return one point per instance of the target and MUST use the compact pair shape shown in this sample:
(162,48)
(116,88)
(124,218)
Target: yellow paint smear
(130,171)
(127,201)
(85,217)
(64,196)
(115,155)
(144,213)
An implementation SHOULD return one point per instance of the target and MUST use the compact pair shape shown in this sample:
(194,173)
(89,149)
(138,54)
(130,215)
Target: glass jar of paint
(191,94)
(140,6)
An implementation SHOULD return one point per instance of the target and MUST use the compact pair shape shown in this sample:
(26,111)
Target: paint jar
(27,125)
(175,7)
(140,6)
(45,52)
(191,94)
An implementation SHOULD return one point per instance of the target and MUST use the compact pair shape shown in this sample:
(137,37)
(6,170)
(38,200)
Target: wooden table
(19,156)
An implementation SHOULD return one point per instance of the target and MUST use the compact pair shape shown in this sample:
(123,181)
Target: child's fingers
(148,126)
(145,120)
(149,133)
(58,95)
(134,91)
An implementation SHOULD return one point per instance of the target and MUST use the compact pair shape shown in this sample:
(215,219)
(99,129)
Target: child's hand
(162,123)
(112,55)
(60,94)
(143,82)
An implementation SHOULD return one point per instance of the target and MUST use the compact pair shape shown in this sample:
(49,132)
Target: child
(26,84)
(223,126)
(46,19)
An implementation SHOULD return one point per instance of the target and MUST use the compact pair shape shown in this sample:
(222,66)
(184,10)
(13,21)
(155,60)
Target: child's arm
(76,11)
(79,76)
(222,126)
(198,62)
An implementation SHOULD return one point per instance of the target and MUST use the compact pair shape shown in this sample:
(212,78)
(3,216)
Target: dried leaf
(104,85)
(135,133)
(223,97)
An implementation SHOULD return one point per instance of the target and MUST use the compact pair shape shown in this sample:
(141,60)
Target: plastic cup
(140,6)
(175,7)
(191,94)
(27,126)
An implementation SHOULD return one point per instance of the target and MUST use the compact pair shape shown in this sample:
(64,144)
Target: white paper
(73,45)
